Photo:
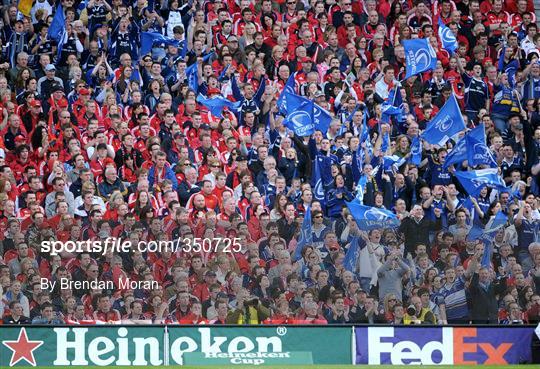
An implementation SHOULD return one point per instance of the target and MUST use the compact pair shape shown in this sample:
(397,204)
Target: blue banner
(217,103)
(356,244)
(447,37)
(420,56)
(474,181)
(416,151)
(288,89)
(58,24)
(477,151)
(306,235)
(148,39)
(447,123)
(368,217)
(299,115)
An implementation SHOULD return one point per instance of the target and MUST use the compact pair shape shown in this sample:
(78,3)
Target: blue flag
(216,104)
(419,55)
(288,89)
(317,181)
(357,164)
(416,151)
(393,160)
(321,119)
(364,136)
(58,24)
(192,73)
(299,115)
(490,231)
(447,37)
(368,217)
(361,189)
(357,244)
(149,38)
(392,106)
(304,116)
(477,151)
(458,153)
(447,123)
(306,236)
(474,181)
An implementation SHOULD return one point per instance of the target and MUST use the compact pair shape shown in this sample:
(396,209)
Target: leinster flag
(447,37)
(306,235)
(289,89)
(477,151)
(474,181)
(420,56)
(447,123)
(368,217)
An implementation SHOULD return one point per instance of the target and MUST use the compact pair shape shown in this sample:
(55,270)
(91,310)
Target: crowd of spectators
(100,141)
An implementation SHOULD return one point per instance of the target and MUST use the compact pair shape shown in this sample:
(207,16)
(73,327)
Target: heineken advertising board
(289,340)
(146,345)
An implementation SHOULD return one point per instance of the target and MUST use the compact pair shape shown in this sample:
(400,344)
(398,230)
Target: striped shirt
(454,299)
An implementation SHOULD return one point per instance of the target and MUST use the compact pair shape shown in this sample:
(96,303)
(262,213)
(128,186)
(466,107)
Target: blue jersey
(531,88)
(454,299)
(476,93)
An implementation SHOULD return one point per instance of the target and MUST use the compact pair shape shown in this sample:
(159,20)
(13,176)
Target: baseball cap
(210,273)
(35,103)
(205,126)
(84,91)
(319,94)
(241,158)
(306,60)
(20,138)
(50,67)
(56,87)
(179,134)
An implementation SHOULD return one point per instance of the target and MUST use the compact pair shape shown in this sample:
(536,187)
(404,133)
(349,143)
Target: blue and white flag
(477,151)
(368,217)
(364,136)
(458,153)
(304,116)
(317,181)
(393,160)
(353,253)
(321,118)
(306,235)
(148,39)
(474,181)
(509,68)
(447,123)
(419,55)
(361,189)
(416,151)
(392,106)
(288,89)
(217,103)
(58,24)
(490,231)
(299,115)
(447,37)
(192,73)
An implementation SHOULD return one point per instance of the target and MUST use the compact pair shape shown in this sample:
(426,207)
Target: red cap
(62,103)
(84,91)
(35,103)
(306,60)
(213,91)
(20,138)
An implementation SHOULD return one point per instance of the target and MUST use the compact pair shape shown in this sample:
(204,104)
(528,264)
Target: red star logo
(22,349)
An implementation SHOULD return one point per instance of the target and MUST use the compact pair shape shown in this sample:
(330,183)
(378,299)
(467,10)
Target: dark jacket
(416,233)
(485,306)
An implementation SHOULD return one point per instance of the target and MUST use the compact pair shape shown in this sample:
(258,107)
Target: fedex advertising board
(442,345)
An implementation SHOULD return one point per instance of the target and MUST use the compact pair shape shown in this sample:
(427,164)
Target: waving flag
(58,24)
(447,37)
(490,231)
(299,115)
(288,89)
(317,181)
(216,104)
(361,188)
(477,151)
(306,235)
(392,106)
(368,217)
(447,123)
(416,151)
(474,181)
(148,39)
(25,6)
(357,164)
(458,153)
(364,136)
(321,118)
(192,73)
(420,56)
(304,116)
(357,244)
